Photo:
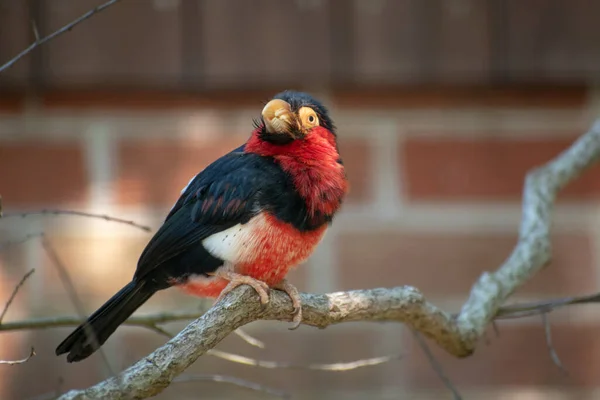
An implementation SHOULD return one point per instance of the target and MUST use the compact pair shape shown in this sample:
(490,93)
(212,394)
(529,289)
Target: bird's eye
(308,117)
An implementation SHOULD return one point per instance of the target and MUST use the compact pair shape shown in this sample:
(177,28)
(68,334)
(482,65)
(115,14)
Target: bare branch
(8,243)
(54,34)
(14,293)
(64,275)
(22,361)
(553,354)
(437,367)
(153,373)
(234,381)
(80,214)
(36,33)
(333,367)
(141,320)
(249,339)
(533,249)
(520,310)
(159,330)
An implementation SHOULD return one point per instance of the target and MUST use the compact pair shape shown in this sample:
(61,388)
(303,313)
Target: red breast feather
(313,164)
(266,248)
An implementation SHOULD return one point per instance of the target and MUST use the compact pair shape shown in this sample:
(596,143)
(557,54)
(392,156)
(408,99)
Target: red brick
(153,173)
(447,265)
(518,356)
(459,96)
(454,169)
(358,163)
(38,174)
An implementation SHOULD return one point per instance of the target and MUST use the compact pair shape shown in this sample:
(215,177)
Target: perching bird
(247,218)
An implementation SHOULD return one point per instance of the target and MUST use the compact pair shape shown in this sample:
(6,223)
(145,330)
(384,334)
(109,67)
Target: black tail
(92,334)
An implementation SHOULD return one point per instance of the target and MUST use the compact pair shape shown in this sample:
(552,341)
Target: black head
(290,115)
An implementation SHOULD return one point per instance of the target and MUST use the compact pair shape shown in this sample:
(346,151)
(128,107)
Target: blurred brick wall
(436,178)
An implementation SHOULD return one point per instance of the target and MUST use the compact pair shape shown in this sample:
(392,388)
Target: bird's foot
(291,290)
(236,280)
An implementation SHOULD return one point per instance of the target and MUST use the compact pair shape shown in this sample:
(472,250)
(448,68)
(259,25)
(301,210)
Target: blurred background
(442,106)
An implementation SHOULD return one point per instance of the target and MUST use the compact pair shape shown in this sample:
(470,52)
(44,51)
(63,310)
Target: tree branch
(551,350)
(22,361)
(533,249)
(155,372)
(39,41)
(8,243)
(14,294)
(435,365)
(140,320)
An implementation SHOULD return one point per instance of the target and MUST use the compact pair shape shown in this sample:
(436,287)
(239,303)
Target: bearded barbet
(247,218)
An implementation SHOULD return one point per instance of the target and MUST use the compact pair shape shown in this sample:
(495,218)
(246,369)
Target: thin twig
(80,214)
(158,330)
(553,354)
(249,339)
(69,321)
(15,362)
(234,381)
(72,292)
(9,243)
(36,33)
(54,34)
(496,329)
(14,293)
(437,367)
(236,358)
(520,310)
(333,367)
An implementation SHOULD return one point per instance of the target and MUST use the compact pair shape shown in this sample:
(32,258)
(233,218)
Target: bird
(249,217)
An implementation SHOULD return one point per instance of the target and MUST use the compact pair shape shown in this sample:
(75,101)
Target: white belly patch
(238,243)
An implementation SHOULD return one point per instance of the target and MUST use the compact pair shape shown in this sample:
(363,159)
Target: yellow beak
(278,117)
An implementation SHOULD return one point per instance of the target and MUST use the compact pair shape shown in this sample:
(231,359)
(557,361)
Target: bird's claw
(236,280)
(291,291)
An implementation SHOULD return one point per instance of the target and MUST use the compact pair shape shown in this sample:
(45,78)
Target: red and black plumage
(248,217)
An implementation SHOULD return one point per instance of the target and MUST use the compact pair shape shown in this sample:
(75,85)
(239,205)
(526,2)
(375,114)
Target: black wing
(221,196)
